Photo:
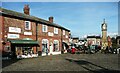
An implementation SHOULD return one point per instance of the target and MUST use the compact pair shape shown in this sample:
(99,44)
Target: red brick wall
(13,22)
(44,35)
(64,36)
(1,36)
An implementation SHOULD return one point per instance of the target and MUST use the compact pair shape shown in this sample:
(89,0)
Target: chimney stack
(26,9)
(51,19)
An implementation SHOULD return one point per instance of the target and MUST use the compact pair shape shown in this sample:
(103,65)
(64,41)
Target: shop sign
(50,34)
(15,29)
(13,36)
(27,33)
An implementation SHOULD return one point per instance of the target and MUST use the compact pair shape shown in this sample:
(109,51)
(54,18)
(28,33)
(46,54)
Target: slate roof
(93,37)
(6,12)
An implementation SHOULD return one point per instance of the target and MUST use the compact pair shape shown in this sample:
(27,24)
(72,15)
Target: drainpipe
(61,41)
(36,36)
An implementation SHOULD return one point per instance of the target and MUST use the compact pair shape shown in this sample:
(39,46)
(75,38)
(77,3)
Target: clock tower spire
(104,20)
(104,35)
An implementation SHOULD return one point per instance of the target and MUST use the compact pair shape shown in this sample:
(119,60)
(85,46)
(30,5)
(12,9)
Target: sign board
(13,36)
(50,34)
(27,33)
(15,29)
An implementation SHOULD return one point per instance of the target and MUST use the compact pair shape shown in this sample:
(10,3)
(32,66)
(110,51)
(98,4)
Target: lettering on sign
(15,29)
(13,36)
(27,33)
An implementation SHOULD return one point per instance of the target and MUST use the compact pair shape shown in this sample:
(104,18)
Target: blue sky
(82,18)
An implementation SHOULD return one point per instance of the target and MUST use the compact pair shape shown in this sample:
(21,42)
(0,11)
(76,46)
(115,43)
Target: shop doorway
(13,51)
(51,48)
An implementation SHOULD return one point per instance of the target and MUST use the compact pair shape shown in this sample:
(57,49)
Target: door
(13,51)
(51,48)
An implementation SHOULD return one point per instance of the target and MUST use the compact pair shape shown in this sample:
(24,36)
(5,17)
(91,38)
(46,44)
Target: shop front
(24,48)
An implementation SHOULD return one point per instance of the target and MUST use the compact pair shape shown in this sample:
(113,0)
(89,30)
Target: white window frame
(29,25)
(44,26)
(63,32)
(55,30)
(45,41)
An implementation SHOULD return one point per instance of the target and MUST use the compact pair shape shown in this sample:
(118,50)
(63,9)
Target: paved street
(66,62)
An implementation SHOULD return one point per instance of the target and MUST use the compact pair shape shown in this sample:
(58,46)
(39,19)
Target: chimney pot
(51,19)
(26,9)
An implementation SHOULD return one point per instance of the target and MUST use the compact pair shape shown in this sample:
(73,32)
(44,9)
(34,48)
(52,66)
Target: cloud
(112,33)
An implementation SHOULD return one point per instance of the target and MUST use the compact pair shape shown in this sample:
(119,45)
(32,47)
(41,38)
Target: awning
(24,42)
(66,45)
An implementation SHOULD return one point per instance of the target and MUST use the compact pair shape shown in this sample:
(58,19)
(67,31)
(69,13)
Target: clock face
(104,26)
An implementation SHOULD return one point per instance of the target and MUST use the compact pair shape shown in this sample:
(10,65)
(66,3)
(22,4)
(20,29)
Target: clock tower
(104,35)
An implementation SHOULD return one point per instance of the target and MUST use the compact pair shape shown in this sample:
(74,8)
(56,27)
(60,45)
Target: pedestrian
(47,51)
(73,50)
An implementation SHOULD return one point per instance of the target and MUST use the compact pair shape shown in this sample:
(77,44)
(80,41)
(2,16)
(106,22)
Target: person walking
(73,50)
(47,51)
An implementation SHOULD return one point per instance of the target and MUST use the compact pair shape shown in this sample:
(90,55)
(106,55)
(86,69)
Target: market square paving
(65,62)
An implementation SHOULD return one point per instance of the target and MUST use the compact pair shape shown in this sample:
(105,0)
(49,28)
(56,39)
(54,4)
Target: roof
(75,37)
(93,37)
(118,37)
(6,12)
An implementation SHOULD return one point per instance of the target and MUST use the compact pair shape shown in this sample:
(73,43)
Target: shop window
(44,28)
(18,51)
(27,50)
(56,45)
(27,25)
(44,45)
(55,30)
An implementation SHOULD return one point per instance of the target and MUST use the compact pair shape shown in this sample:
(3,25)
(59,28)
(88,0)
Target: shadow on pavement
(92,68)
(8,62)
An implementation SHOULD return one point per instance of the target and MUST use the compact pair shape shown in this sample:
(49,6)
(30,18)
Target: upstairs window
(27,25)
(44,28)
(63,32)
(55,30)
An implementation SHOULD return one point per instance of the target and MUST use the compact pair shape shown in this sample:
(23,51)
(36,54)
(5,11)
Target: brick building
(94,40)
(30,36)
(75,39)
